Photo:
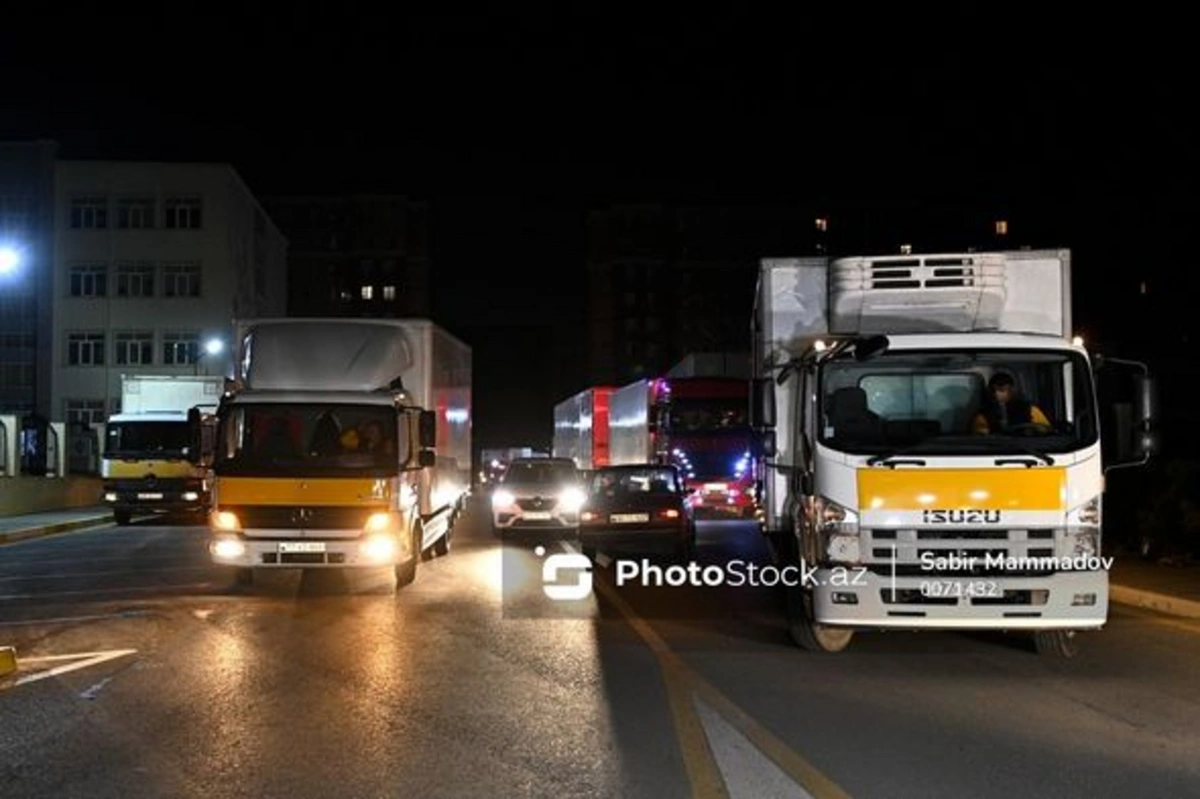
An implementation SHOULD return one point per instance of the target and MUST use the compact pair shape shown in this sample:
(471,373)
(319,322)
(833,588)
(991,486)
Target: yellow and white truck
(145,464)
(324,454)
(895,489)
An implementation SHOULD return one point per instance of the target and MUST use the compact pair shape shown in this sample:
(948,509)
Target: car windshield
(649,480)
(958,402)
(310,440)
(540,472)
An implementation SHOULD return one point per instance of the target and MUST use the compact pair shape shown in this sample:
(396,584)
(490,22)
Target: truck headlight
(379,547)
(571,500)
(834,518)
(228,549)
(844,548)
(225,521)
(190,496)
(1086,515)
(1087,543)
(380,523)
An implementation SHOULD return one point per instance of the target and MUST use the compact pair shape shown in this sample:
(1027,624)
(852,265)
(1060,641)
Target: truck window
(332,440)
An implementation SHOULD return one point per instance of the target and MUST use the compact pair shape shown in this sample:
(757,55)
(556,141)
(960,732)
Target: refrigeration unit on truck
(698,424)
(325,447)
(581,428)
(890,475)
(145,465)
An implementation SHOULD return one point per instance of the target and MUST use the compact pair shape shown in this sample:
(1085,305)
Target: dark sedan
(639,509)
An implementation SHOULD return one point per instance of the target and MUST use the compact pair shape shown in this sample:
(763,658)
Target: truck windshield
(145,439)
(724,415)
(946,402)
(309,441)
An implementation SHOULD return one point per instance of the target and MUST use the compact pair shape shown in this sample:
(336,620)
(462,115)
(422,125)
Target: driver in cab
(1004,409)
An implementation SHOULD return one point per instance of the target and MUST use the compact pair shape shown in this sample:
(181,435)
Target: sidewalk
(1174,590)
(36,525)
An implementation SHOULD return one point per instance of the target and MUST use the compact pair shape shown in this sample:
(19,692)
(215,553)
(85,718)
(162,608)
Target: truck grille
(907,550)
(284,517)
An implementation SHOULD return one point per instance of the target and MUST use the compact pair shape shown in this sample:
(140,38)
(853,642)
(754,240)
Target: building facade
(357,255)
(26,264)
(152,263)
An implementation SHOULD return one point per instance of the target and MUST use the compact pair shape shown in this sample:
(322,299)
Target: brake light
(670,513)
(589,516)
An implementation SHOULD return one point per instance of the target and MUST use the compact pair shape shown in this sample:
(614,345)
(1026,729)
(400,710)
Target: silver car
(538,495)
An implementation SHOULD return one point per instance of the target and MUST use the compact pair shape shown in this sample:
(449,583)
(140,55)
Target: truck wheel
(441,547)
(1056,643)
(122,517)
(808,634)
(407,572)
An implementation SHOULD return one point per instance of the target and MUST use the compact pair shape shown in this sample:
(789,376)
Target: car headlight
(502,499)
(571,500)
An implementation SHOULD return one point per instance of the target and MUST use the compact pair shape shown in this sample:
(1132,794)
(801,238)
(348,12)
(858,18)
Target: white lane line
(92,692)
(88,659)
(171,587)
(747,771)
(76,575)
(129,614)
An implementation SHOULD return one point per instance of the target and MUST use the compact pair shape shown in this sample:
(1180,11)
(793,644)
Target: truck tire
(122,517)
(441,547)
(407,572)
(1056,643)
(806,633)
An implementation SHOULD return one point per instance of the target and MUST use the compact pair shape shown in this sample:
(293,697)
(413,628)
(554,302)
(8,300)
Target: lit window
(368,292)
(389,292)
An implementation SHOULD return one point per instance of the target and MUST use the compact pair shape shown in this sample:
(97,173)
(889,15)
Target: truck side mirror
(427,432)
(1128,401)
(769,444)
(426,457)
(762,401)
(195,448)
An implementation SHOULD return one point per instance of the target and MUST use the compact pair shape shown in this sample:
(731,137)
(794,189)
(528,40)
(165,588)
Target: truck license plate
(625,518)
(537,515)
(150,495)
(286,547)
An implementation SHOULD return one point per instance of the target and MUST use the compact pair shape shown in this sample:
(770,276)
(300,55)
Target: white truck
(145,464)
(581,428)
(893,488)
(324,452)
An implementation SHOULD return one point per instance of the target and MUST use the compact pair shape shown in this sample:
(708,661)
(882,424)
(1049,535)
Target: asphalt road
(146,672)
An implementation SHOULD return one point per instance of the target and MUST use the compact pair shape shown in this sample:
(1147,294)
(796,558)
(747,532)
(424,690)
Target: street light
(10,259)
(212,347)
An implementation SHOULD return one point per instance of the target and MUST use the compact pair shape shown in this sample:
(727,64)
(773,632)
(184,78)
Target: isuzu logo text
(960,516)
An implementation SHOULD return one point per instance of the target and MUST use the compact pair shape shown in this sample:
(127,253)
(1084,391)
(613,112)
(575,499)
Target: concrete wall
(35,494)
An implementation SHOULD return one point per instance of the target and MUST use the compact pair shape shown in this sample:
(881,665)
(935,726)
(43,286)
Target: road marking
(128,614)
(169,587)
(88,659)
(682,684)
(92,692)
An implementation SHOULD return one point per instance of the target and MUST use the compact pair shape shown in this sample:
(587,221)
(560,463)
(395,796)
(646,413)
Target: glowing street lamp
(10,260)
(214,346)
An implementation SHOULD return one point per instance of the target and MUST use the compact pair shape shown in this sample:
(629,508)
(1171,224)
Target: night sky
(513,127)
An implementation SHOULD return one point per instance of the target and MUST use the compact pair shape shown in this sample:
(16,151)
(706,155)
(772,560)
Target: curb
(1163,603)
(13,536)
(8,661)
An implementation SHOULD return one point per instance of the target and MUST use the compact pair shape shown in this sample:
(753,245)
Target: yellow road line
(697,754)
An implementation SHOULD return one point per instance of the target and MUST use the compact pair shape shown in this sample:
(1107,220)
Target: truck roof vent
(933,293)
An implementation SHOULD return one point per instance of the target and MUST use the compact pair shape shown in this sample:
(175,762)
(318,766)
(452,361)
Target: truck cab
(891,471)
